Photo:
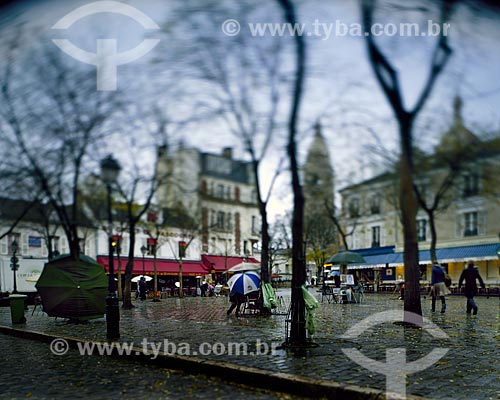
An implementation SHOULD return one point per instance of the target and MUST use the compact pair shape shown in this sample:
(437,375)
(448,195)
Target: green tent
(73,289)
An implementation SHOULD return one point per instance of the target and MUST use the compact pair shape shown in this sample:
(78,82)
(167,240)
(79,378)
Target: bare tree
(297,335)
(52,116)
(247,95)
(387,77)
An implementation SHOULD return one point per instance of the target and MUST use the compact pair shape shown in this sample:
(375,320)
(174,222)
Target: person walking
(470,274)
(438,288)
(237,299)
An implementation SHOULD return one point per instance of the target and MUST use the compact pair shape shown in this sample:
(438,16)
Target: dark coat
(236,298)
(470,274)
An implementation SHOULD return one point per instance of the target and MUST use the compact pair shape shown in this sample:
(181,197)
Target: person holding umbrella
(241,284)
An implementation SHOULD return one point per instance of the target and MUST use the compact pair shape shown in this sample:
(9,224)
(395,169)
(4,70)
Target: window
(64,245)
(220,220)
(376,236)
(81,245)
(254,197)
(220,191)
(375,204)
(470,220)
(471,184)
(354,208)
(55,245)
(3,246)
(203,186)
(422,230)
(213,218)
(255,227)
(229,222)
(422,189)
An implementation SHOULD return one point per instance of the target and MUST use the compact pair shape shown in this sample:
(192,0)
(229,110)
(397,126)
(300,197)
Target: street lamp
(110,170)
(144,250)
(14,265)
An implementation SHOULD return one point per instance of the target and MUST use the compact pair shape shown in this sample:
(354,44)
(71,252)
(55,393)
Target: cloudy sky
(340,87)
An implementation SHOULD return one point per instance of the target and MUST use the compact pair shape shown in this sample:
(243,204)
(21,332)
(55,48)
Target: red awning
(223,263)
(163,266)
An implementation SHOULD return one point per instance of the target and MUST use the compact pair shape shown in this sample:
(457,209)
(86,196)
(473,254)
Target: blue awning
(449,254)
(464,253)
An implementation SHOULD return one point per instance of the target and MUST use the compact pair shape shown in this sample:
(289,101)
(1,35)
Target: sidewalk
(469,370)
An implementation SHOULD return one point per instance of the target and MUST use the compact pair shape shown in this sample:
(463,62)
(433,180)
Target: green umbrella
(73,289)
(346,257)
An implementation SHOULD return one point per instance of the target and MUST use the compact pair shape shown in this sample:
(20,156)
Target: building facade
(467,221)
(218,192)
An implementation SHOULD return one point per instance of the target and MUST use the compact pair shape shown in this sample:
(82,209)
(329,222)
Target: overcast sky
(340,89)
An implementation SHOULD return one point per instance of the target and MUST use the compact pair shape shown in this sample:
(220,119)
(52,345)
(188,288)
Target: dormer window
(375,204)
(471,184)
(354,208)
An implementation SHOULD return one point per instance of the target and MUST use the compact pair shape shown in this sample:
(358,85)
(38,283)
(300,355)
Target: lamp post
(152,244)
(182,253)
(109,173)
(14,264)
(117,246)
(144,250)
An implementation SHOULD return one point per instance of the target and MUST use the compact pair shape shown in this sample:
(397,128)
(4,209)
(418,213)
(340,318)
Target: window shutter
(481,223)
(64,245)
(3,246)
(124,246)
(24,244)
(460,225)
(45,251)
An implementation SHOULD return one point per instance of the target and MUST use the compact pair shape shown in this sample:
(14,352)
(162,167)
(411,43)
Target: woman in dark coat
(470,274)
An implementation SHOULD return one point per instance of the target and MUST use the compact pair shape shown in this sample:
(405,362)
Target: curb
(233,373)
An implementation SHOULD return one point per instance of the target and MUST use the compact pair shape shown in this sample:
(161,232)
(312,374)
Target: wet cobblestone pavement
(75,377)
(469,370)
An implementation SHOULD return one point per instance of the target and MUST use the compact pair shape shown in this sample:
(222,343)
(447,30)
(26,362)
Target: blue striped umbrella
(244,282)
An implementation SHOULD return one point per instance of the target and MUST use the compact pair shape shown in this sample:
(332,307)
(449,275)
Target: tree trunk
(265,244)
(432,226)
(297,335)
(408,206)
(127,289)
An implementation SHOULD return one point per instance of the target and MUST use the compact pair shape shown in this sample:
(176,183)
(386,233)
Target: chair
(328,294)
(251,305)
(338,295)
(217,290)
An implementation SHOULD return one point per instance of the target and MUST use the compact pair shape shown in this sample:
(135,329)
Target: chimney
(227,152)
